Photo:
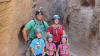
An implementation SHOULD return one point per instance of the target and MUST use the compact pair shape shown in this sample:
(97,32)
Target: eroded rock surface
(80,18)
(83,26)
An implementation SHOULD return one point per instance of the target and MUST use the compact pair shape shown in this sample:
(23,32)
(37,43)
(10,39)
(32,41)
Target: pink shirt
(63,48)
(51,46)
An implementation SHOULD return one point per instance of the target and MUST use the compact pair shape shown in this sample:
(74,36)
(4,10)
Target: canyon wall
(80,18)
(82,23)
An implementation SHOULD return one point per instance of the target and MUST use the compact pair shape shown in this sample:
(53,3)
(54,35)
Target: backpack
(42,23)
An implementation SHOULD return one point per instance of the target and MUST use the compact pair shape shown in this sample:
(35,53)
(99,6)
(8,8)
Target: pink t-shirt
(63,48)
(51,46)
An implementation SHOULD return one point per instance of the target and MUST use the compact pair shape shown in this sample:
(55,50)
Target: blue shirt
(37,45)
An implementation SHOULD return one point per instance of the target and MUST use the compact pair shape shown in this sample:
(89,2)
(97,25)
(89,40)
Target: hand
(27,42)
(43,54)
(53,49)
(47,48)
(34,55)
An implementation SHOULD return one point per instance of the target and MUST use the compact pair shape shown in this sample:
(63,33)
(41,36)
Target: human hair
(65,38)
(38,12)
(47,39)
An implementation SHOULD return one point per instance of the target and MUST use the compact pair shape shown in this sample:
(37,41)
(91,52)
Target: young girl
(63,48)
(51,47)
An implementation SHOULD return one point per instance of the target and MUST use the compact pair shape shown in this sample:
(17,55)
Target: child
(51,47)
(63,48)
(37,45)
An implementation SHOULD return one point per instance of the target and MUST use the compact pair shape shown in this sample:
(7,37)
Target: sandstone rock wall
(97,13)
(82,23)
(80,18)
(13,14)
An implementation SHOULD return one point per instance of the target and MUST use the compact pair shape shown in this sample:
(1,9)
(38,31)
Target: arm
(49,30)
(46,25)
(55,49)
(43,44)
(24,31)
(57,52)
(48,33)
(43,52)
(64,32)
(33,51)
(47,47)
(68,51)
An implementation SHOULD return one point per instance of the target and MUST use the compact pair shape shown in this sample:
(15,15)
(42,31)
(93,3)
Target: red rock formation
(81,22)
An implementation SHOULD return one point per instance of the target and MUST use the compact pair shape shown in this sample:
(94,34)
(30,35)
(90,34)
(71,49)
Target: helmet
(38,12)
(56,17)
(49,36)
(64,36)
(37,31)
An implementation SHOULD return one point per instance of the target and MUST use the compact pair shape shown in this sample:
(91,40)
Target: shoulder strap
(43,24)
(34,22)
(51,29)
(60,27)
(62,47)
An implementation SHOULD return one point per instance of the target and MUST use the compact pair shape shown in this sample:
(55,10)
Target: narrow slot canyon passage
(81,20)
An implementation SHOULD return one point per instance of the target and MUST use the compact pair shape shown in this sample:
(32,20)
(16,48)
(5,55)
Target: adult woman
(56,29)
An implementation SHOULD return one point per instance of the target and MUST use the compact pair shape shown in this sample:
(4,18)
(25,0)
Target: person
(63,48)
(56,29)
(51,47)
(37,45)
(37,22)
